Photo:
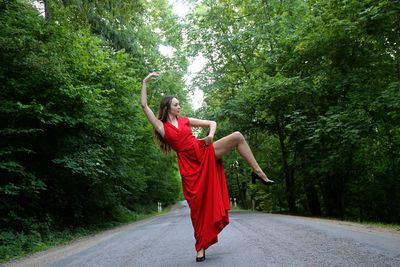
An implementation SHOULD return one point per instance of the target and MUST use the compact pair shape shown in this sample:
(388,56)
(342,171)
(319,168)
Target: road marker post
(159,206)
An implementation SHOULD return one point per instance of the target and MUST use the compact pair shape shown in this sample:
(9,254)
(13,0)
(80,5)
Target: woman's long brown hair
(162,115)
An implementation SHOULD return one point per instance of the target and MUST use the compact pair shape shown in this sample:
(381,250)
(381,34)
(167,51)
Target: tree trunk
(47,13)
(312,199)
(289,175)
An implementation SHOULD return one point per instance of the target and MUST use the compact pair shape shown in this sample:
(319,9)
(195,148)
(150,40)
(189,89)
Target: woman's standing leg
(236,139)
(200,254)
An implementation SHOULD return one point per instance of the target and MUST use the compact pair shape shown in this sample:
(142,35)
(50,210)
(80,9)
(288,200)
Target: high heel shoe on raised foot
(255,176)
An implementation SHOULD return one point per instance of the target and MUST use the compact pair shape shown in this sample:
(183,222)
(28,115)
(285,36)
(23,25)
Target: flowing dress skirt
(204,187)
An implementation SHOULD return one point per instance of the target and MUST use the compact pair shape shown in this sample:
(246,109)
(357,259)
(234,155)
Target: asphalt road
(251,239)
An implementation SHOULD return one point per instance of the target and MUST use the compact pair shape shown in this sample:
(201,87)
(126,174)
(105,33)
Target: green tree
(73,133)
(309,79)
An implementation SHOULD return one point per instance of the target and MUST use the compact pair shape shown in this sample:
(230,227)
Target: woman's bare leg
(236,139)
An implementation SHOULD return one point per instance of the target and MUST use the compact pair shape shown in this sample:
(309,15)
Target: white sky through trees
(195,64)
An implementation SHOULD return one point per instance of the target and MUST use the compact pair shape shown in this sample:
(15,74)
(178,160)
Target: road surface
(251,239)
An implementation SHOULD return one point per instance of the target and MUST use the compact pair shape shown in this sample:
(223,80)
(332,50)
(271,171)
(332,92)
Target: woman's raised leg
(236,139)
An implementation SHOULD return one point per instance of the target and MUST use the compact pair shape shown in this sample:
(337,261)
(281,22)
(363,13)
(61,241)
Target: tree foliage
(76,148)
(314,86)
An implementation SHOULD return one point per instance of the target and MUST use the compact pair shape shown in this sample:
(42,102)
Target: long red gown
(203,182)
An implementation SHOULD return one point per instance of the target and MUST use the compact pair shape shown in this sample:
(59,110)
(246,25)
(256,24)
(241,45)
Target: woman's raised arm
(205,123)
(157,124)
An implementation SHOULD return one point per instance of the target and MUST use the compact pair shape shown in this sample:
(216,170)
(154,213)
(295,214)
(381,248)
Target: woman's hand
(208,140)
(150,77)
(157,124)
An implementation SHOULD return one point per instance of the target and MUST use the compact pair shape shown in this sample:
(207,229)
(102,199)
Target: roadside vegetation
(76,153)
(314,86)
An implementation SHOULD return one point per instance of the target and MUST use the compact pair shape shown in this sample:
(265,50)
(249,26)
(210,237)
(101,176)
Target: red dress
(203,182)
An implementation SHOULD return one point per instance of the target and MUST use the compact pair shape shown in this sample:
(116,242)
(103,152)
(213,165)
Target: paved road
(251,239)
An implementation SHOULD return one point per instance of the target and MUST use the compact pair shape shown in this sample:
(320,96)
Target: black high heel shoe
(201,258)
(255,176)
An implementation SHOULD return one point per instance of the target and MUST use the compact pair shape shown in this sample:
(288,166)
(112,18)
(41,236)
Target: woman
(200,165)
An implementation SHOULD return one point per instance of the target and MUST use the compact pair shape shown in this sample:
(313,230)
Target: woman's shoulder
(184,119)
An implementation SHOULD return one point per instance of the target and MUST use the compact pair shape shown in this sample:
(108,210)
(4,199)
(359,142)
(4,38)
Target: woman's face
(175,108)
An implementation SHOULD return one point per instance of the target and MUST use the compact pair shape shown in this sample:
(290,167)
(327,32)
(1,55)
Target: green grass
(14,245)
(238,208)
(379,224)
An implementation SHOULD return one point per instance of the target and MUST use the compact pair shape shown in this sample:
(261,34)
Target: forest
(314,86)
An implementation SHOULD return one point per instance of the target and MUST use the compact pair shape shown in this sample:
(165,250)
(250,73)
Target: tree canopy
(76,148)
(313,85)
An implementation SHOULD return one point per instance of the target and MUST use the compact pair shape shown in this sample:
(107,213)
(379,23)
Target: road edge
(63,250)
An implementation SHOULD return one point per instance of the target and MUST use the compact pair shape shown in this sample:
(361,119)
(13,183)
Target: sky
(195,64)
(180,7)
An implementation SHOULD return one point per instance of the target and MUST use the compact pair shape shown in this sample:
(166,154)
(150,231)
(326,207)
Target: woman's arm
(157,124)
(205,123)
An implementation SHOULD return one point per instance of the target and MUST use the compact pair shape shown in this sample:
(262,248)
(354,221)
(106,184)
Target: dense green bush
(75,148)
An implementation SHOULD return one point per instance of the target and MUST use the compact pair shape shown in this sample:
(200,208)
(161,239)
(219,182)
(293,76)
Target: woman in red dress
(200,165)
